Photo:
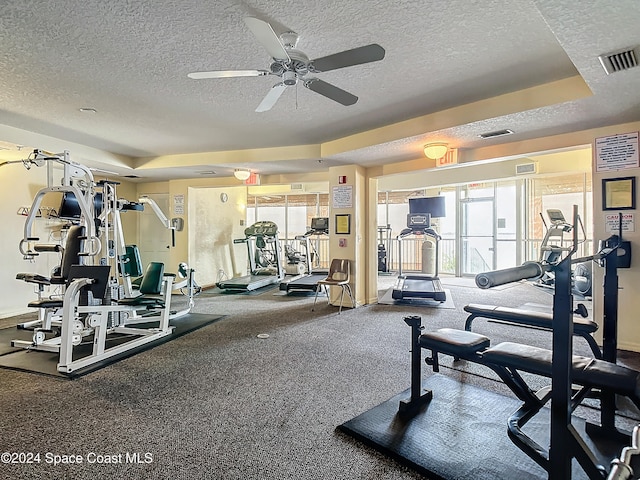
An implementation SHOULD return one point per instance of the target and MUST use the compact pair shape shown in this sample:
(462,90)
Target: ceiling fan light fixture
(241,174)
(435,150)
(289,78)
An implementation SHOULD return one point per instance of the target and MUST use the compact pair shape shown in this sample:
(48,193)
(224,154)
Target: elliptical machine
(554,244)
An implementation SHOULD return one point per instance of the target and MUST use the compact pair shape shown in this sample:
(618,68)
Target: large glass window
(293,213)
(506,205)
(489,225)
(558,192)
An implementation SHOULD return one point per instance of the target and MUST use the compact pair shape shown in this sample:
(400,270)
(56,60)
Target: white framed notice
(617,152)
(342,196)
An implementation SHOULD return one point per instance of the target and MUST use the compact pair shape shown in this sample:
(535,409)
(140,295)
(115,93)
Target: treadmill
(265,254)
(418,286)
(309,281)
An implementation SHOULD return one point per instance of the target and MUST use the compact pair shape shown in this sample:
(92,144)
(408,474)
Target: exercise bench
(508,360)
(582,327)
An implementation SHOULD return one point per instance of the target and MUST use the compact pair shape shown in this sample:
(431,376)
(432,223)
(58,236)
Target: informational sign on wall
(617,152)
(612,222)
(178,204)
(342,196)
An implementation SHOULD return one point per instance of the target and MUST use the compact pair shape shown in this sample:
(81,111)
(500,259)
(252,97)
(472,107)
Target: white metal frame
(79,322)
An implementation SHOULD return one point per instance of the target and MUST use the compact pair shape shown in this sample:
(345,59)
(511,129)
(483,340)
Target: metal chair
(339,276)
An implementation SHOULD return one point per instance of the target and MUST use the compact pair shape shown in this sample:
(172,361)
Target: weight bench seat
(457,343)
(46,303)
(582,327)
(586,371)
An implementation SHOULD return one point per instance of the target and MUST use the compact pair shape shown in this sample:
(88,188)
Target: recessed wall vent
(297,187)
(526,168)
(497,133)
(618,61)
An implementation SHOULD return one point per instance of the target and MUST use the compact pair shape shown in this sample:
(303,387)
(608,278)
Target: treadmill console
(265,228)
(320,224)
(418,220)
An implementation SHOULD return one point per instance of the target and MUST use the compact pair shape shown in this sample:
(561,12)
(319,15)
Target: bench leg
(419,397)
(468,322)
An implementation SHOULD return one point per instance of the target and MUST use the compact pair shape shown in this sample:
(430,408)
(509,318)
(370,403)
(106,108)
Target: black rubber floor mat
(460,435)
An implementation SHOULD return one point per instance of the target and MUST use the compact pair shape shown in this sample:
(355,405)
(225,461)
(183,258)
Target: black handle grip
(508,275)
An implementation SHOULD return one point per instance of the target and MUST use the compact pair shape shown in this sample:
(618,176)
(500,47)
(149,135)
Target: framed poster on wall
(619,193)
(343,224)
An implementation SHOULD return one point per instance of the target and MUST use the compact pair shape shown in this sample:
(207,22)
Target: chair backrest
(339,270)
(151,283)
(73,246)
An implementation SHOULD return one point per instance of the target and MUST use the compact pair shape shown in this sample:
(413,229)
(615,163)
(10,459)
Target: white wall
(17,189)
(213,225)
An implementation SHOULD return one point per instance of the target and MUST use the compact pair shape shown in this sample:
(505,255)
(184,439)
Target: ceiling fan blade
(331,91)
(355,56)
(267,37)
(227,74)
(271,98)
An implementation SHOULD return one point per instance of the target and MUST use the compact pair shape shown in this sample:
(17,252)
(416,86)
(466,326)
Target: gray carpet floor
(222,403)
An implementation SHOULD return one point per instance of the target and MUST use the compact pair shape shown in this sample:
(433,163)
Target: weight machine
(99,303)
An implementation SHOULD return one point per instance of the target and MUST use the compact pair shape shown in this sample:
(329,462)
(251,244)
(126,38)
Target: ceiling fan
(292,65)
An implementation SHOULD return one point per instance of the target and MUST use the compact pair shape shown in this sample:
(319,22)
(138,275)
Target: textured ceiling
(130,60)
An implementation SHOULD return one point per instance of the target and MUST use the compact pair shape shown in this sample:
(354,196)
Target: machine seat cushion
(458,343)
(142,300)
(45,303)
(33,278)
(528,317)
(585,371)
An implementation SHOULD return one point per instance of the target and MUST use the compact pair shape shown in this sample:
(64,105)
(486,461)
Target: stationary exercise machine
(419,223)
(309,280)
(421,286)
(265,259)
(554,244)
(384,248)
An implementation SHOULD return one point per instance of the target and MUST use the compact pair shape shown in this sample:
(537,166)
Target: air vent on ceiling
(131,176)
(497,133)
(297,187)
(618,61)
(526,168)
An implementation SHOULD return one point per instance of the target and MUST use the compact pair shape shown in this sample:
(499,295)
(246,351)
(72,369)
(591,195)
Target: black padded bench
(586,371)
(582,327)
(507,360)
